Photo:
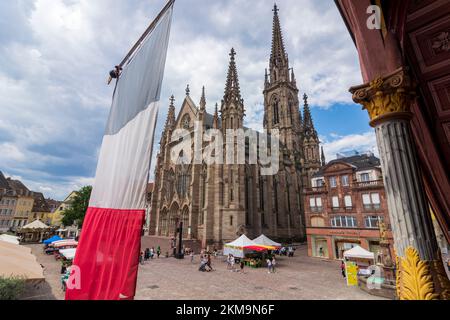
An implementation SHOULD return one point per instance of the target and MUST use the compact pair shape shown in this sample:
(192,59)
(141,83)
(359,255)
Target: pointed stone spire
(171,115)
(188,91)
(266,81)
(278,55)
(203,100)
(232,89)
(293,80)
(308,125)
(216,117)
(324,163)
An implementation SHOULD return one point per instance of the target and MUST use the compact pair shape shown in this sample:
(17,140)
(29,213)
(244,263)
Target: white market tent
(69,254)
(265,241)
(36,225)
(237,247)
(9,239)
(359,253)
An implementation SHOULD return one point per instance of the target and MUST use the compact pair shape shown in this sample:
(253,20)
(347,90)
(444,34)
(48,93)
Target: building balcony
(368,184)
(316,209)
(371,207)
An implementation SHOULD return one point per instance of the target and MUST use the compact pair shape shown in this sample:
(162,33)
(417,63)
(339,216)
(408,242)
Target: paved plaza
(296,278)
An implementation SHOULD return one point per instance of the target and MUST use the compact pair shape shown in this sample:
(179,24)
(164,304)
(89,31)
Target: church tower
(311,144)
(233,112)
(281,102)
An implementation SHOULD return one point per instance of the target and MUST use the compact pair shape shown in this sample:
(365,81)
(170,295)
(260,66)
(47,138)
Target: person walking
(158,251)
(343,269)
(242,265)
(141,257)
(232,262)
(269,265)
(152,252)
(147,254)
(274,263)
(192,256)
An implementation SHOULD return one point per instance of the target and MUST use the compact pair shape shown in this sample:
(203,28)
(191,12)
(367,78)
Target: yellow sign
(352,273)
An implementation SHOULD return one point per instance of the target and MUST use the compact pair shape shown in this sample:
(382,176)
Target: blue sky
(55,56)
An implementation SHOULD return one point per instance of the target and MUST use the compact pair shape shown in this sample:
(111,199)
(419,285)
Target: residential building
(57,214)
(344,207)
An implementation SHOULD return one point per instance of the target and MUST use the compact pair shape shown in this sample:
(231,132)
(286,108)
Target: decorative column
(388,100)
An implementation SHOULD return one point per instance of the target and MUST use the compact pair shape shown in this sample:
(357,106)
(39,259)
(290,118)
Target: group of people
(287,251)
(271,264)
(205,262)
(232,262)
(149,253)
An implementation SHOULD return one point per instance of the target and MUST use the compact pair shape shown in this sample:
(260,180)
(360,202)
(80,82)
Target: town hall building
(217,203)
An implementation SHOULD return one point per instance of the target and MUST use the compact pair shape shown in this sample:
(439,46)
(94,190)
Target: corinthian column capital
(386,97)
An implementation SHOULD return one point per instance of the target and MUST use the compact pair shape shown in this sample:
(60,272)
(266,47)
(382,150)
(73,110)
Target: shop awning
(18,261)
(52,239)
(69,254)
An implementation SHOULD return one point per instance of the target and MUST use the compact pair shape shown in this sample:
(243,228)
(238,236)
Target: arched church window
(183,177)
(291,106)
(276,112)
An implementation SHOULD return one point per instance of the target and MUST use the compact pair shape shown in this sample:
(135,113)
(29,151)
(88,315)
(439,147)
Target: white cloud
(359,142)
(53,97)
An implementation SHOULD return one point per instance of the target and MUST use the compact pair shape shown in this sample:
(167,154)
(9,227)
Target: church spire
(232,89)
(203,100)
(216,117)
(324,162)
(308,125)
(171,115)
(278,56)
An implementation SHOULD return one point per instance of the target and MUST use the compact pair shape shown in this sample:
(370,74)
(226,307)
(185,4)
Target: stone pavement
(296,278)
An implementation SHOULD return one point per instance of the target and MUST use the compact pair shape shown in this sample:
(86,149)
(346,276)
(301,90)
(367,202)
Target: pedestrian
(269,265)
(209,263)
(232,262)
(229,262)
(152,252)
(158,251)
(274,263)
(242,265)
(343,269)
(141,257)
(147,254)
(192,256)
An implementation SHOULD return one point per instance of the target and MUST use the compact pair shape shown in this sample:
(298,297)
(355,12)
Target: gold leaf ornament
(415,279)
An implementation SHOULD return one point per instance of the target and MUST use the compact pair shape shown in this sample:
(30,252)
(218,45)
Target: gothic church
(219,202)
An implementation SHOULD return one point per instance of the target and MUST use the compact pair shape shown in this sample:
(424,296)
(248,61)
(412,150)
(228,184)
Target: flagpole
(141,39)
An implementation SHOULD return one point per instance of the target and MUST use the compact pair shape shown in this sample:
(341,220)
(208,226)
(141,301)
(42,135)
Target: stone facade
(219,202)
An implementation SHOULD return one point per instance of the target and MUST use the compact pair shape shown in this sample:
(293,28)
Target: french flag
(107,258)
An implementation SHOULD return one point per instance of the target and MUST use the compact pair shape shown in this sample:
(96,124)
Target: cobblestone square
(296,278)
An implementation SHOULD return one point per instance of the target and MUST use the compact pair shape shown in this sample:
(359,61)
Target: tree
(77,210)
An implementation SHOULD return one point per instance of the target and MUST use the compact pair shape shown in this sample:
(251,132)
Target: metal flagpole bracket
(115,74)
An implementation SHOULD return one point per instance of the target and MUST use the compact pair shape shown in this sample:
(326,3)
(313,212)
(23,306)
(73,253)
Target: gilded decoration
(385,96)
(414,278)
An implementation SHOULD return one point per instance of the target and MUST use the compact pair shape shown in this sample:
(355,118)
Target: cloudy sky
(55,56)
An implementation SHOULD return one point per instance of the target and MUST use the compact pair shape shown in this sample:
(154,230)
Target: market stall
(266,242)
(52,239)
(362,257)
(34,232)
(239,247)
